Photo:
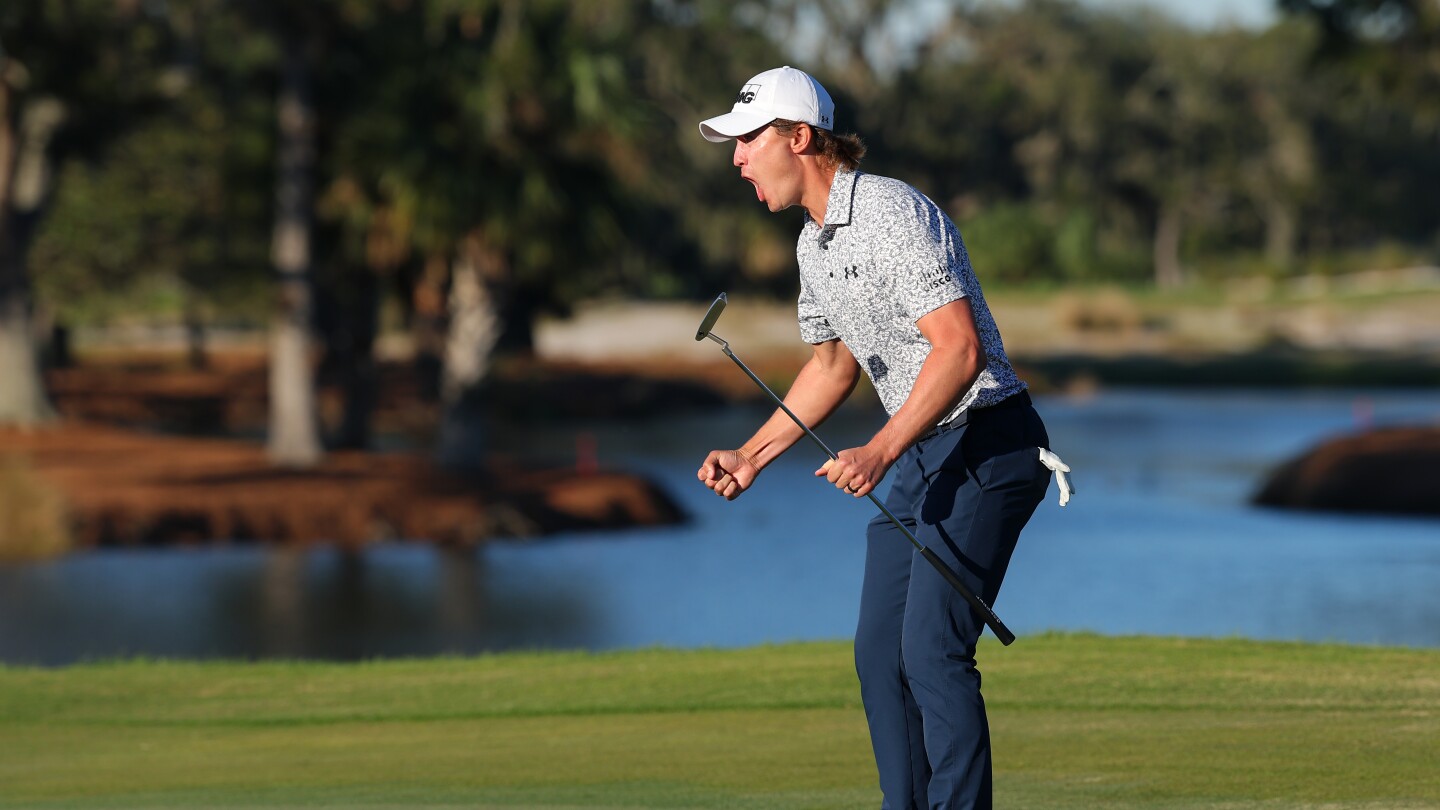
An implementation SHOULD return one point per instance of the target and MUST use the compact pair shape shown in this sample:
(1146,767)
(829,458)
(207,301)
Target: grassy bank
(1078,722)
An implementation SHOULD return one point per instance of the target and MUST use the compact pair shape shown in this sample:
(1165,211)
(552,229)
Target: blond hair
(838,151)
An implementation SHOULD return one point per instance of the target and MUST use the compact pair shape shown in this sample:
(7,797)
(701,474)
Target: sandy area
(1094,322)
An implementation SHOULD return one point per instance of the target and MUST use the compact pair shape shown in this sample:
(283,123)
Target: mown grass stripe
(1079,721)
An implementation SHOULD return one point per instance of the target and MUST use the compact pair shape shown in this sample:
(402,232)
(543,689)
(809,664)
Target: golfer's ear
(801,139)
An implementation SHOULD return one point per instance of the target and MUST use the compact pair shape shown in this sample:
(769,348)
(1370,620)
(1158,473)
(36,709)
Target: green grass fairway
(1078,721)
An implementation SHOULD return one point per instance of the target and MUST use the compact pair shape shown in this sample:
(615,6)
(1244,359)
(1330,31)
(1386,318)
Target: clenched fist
(728,473)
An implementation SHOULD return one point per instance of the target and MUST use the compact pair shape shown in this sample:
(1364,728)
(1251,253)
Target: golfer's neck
(816,193)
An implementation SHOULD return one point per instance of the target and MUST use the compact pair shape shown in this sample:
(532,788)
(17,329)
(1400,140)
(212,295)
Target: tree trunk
(428,325)
(354,348)
(1169,274)
(23,401)
(294,417)
(474,330)
(1281,229)
(1290,167)
(195,333)
(475,326)
(24,186)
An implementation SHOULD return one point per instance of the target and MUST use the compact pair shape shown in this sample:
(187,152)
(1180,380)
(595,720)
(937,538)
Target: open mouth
(759,194)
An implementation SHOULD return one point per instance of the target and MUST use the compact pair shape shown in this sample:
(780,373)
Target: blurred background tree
(473,165)
(1379,131)
(74,76)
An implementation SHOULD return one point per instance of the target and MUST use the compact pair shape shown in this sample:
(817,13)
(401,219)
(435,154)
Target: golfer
(886,287)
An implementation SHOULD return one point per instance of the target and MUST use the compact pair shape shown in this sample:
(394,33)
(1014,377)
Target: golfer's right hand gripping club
(1001,631)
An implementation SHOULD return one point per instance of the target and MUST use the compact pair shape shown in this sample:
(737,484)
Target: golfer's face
(766,160)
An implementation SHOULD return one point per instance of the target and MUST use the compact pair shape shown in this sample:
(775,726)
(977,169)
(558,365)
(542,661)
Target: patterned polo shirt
(886,257)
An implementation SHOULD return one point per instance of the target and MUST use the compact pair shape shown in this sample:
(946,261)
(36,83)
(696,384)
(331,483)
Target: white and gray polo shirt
(886,257)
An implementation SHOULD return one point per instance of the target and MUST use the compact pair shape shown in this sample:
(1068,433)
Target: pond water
(1159,539)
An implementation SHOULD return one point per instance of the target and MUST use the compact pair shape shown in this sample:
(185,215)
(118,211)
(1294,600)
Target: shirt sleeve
(814,326)
(920,252)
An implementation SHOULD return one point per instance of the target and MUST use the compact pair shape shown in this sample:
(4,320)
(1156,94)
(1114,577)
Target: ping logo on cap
(747,94)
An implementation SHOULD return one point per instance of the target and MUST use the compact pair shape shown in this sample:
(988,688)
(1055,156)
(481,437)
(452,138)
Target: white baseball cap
(783,92)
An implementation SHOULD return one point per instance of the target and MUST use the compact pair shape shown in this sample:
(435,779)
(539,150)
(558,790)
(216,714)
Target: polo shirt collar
(840,202)
(842,197)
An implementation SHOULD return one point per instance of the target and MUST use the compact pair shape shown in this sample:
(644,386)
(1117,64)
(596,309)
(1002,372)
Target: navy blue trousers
(965,493)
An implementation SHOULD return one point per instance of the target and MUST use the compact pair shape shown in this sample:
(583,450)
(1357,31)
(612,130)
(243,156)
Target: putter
(1001,631)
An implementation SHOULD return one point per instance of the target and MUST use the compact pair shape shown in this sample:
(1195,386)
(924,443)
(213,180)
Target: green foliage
(1016,244)
(153,214)
(1077,250)
(1010,244)
(1382,256)
(149,214)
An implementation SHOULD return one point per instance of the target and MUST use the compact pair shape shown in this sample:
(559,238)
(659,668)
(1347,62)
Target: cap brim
(732,125)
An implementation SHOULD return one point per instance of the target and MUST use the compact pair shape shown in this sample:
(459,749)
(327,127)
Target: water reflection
(252,602)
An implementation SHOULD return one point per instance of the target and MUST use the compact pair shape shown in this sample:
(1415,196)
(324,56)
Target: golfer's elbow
(833,360)
(966,358)
(975,359)
(845,373)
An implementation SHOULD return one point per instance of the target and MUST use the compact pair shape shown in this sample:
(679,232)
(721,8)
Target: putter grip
(998,627)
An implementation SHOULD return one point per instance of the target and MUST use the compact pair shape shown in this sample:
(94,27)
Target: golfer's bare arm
(955,361)
(826,381)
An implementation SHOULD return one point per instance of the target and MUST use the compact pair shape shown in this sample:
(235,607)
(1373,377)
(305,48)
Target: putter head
(711,316)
